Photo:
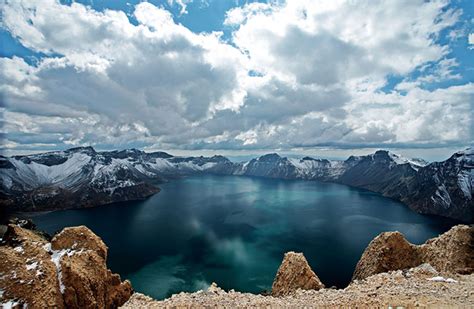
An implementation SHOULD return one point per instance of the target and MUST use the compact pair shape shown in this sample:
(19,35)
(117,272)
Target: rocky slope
(67,272)
(391,273)
(402,289)
(82,177)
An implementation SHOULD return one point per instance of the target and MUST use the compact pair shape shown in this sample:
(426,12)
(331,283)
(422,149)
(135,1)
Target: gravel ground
(418,287)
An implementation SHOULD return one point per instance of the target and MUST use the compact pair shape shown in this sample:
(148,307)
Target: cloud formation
(295,74)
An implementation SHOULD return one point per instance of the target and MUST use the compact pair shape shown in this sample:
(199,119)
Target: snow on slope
(466,175)
(104,171)
(33,174)
(414,163)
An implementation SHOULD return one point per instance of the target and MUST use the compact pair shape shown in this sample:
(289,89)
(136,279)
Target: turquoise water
(234,231)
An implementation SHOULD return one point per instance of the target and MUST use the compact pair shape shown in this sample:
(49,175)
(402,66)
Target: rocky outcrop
(388,251)
(295,273)
(68,272)
(451,252)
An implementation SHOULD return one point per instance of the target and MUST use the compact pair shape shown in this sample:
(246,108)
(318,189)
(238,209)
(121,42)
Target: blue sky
(238,77)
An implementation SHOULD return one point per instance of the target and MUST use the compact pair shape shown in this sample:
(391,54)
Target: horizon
(247,155)
(238,77)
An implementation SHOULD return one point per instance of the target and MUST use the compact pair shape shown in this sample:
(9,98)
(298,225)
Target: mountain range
(82,177)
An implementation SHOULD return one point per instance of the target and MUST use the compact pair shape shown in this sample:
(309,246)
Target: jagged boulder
(388,251)
(69,272)
(451,252)
(295,273)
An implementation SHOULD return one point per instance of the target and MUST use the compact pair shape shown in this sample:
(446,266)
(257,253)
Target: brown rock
(295,273)
(451,252)
(72,271)
(77,238)
(388,251)
(27,274)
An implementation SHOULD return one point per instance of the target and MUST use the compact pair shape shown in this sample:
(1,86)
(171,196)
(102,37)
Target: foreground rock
(295,273)
(422,286)
(68,272)
(451,252)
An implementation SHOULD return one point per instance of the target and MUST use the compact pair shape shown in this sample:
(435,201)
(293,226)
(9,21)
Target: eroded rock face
(69,272)
(451,252)
(388,251)
(295,273)
(27,273)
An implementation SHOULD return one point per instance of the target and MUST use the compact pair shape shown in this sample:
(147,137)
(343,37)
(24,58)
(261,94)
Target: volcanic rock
(451,252)
(69,272)
(295,273)
(388,251)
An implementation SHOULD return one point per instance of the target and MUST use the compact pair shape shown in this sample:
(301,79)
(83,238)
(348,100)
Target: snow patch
(19,249)
(442,279)
(442,196)
(10,304)
(414,163)
(31,266)
(56,256)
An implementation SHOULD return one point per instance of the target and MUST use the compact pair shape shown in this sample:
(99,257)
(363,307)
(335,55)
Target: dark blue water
(235,230)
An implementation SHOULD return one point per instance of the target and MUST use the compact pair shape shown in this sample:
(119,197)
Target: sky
(322,77)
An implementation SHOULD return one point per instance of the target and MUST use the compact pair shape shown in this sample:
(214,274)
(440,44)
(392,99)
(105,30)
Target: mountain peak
(466,155)
(86,149)
(466,152)
(160,154)
(398,159)
(269,157)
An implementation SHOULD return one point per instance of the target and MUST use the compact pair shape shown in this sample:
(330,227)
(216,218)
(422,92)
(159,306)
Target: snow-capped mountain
(82,177)
(445,188)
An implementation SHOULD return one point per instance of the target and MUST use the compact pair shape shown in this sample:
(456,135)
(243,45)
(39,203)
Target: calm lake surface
(234,231)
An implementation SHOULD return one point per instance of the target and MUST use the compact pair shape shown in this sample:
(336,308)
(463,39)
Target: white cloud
(470,40)
(297,74)
(181,3)
(325,33)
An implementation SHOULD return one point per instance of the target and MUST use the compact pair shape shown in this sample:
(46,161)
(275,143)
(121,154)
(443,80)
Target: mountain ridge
(48,181)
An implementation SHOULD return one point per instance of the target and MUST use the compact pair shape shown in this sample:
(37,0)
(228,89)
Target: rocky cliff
(68,271)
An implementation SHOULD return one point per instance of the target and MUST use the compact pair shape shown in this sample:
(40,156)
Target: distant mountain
(444,188)
(82,177)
